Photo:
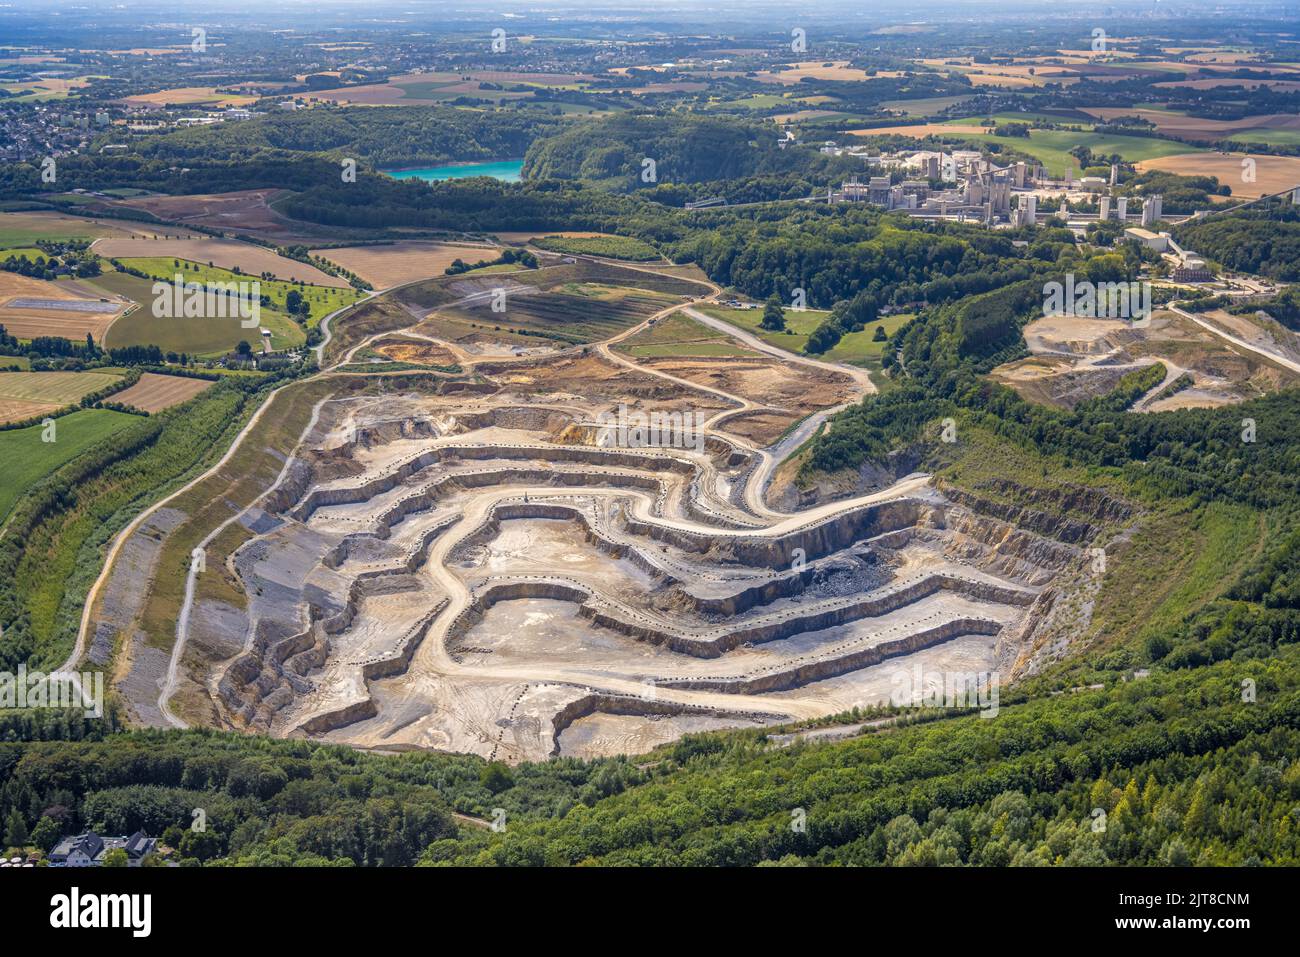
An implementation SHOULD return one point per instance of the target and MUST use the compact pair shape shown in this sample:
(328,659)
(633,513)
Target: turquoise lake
(504,170)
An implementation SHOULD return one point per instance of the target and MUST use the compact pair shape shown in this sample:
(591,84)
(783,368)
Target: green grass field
(21,230)
(1052,147)
(15,252)
(490,270)
(854,347)
(1269,137)
(322,299)
(756,101)
(28,459)
(198,337)
(1004,118)
(800,324)
(679,335)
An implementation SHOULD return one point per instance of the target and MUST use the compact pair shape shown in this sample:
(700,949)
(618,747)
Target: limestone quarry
(491,575)
(576,553)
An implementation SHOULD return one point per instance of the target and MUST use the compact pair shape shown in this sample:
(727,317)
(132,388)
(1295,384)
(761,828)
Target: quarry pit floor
(502,571)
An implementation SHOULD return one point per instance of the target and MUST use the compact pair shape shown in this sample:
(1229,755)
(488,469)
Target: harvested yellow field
(12,284)
(822,70)
(407,261)
(1273,174)
(25,394)
(1004,74)
(34,307)
(922,130)
(187,96)
(154,392)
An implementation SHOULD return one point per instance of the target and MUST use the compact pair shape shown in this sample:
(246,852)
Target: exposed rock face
(590,704)
(832,665)
(407,585)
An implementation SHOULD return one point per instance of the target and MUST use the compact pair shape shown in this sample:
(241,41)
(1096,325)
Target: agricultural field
(34,307)
(247,211)
(1011,76)
(24,229)
(922,130)
(243,258)
(27,394)
(926,106)
(1273,174)
(322,300)
(196,336)
(154,392)
(1281,86)
(188,96)
(393,264)
(28,459)
(45,89)
(1273,127)
(837,70)
(416,89)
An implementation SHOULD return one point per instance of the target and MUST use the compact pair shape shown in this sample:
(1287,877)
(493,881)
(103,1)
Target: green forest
(630,151)
(1263,238)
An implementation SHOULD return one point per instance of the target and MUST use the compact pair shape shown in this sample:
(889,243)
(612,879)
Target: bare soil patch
(760,428)
(594,377)
(413,350)
(1077,359)
(245,211)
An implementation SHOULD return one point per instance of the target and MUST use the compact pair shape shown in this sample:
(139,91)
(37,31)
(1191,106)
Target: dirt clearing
(413,350)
